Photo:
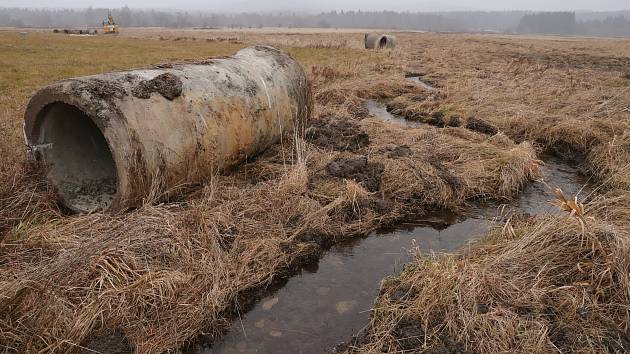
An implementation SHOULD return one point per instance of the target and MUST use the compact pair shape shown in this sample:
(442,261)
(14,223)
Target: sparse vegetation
(163,273)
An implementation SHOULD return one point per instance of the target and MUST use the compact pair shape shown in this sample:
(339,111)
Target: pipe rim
(33,121)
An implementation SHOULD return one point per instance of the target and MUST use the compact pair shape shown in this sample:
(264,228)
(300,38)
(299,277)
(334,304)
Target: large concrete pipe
(109,140)
(379,41)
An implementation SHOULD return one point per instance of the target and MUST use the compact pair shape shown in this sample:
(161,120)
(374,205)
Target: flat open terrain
(176,267)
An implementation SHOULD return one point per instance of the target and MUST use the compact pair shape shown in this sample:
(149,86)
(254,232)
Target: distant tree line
(564,23)
(548,22)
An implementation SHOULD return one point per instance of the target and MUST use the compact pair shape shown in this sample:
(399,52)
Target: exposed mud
(480,126)
(90,192)
(410,338)
(359,170)
(102,93)
(400,152)
(565,150)
(167,85)
(112,342)
(101,89)
(445,174)
(337,135)
(453,121)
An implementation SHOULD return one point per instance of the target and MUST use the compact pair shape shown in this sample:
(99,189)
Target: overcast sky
(324,5)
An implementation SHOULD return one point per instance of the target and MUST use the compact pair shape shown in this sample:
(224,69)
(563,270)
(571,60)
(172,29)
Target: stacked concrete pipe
(107,141)
(380,41)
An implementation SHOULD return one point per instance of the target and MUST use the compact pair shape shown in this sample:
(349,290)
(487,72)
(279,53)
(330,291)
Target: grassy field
(172,269)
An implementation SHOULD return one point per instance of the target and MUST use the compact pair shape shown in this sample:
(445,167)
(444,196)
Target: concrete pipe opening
(379,41)
(78,159)
(383,42)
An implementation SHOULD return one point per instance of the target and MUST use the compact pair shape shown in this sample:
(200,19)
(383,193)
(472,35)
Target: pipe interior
(383,42)
(79,161)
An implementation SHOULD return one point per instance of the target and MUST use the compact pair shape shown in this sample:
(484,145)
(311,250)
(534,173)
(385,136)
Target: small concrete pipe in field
(379,41)
(108,141)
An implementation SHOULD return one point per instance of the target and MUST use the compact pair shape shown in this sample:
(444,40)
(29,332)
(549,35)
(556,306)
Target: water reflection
(316,310)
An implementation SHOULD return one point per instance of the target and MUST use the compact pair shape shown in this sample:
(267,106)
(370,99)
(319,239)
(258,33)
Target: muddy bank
(359,169)
(398,113)
(338,135)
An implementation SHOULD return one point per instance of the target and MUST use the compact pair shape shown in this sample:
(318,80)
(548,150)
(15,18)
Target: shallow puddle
(380,111)
(327,303)
(418,81)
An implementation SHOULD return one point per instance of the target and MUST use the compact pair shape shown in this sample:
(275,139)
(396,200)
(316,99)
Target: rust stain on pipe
(107,141)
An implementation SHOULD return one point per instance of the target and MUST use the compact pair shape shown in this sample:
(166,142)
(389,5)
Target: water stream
(418,81)
(328,302)
(380,111)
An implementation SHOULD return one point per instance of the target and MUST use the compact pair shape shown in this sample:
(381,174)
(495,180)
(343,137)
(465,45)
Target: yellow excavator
(110,27)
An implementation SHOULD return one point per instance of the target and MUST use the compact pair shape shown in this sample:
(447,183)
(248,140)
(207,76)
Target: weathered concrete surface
(380,41)
(108,141)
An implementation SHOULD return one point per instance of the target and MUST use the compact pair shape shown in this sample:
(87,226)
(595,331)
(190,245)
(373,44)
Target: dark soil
(337,135)
(446,175)
(453,121)
(436,119)
(400,152)
(357,109)
(359,170)
(409,335)
(565,151)
(112,342)
(403,293)
(480,126)
(167,85)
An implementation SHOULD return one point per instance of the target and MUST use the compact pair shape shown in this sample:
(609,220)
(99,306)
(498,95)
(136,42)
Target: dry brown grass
(167,271)
(162,274)
(545,284)
(553,283)
(572,96)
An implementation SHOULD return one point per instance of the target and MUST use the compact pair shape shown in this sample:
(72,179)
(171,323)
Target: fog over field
(327,5)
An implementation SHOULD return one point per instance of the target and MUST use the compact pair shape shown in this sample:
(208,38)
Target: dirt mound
(167,85)
(480,126)
(358,170)
(337,135)
(399,152)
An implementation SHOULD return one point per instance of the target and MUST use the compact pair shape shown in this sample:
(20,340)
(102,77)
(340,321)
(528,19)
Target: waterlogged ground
(419,81)
(331,300)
